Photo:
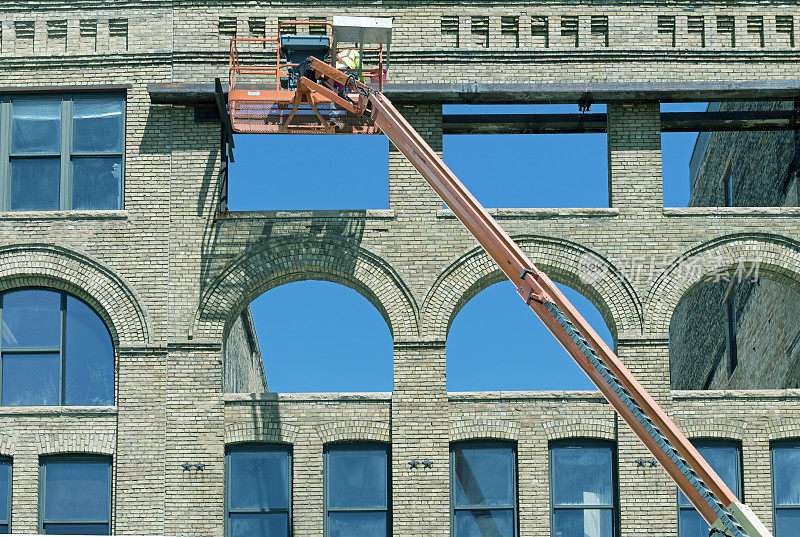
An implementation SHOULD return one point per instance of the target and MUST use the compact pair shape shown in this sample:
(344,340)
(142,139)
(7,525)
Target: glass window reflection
(724,457)
(356,490)
(483,489)
(583,488)
(258,492)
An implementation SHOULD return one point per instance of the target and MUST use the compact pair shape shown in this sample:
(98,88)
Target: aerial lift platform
(305,92)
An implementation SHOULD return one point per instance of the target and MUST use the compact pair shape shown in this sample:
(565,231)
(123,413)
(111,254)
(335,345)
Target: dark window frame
(276,447)
(60,350)
(786,442)
(485,443)
(8,461)
(582,442)
(65,154)
(68,457)
(727,187)
(732,319)
(700,443)
(326,482)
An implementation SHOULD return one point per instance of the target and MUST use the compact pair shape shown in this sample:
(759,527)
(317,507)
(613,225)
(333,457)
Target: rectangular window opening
(357,489)
(710,160)
(785,456)
(725,458)
(483,489)
(583,488)
(309,172)
(508,157)
(62,152)
(75,495)
(258,490)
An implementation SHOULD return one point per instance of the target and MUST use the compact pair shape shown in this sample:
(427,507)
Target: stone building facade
(171,277)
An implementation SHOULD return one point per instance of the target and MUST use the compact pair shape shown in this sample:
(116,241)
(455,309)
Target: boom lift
(312,95)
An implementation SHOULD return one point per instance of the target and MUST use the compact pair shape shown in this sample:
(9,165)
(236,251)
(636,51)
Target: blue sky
(323,337)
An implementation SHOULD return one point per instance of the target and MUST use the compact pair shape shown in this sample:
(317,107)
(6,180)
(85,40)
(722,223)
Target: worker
(349,60)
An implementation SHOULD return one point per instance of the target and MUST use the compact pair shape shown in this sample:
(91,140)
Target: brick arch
(561,259)
(358,431)
(484,429)
(562,429)
(109,294)
(778,258)
(783,429)
(238,433)
(57,443)
(287,260)
(724,429)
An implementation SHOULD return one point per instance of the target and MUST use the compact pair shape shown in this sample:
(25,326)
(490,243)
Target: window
(732,319)
(55,351)
(356,490)
(483,489)
(583,488)
(75,495)
(727,189)
(5,495)
(61,152)
(725,458)
(258,490)
(786,487)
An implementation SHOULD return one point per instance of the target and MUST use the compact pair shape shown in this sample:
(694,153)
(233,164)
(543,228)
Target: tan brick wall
(170,279)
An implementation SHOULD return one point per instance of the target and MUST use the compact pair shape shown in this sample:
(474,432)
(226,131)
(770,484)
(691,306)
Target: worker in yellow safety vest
(349,59)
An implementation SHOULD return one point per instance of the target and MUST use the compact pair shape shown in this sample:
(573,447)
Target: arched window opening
(55,351)
(497,343)
(736,333)
(318,336)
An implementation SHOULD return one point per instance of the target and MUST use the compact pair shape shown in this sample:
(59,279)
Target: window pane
(35,184)
(89,375)
(692,524)
(76,529)
(583,523)
(5,476)
(3,528)
(259,480)
(371,524)
(96,183)
(76,490)
(786,474)
(484,523)
(30,379)
(32,318)
(259,524)
(582,476)
(36,126)
(97,124)
(723,459)
(483,475)
(787,523)
(357,478)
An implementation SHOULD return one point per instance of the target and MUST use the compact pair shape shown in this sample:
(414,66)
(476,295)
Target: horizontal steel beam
(733,120)
(537,93)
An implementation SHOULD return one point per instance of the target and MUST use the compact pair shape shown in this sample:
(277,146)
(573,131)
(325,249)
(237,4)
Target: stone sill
(64,215)
(731,211)
(58,410)
(374,214)
(569,212)
(455,397)
(360,397)
(697,395)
